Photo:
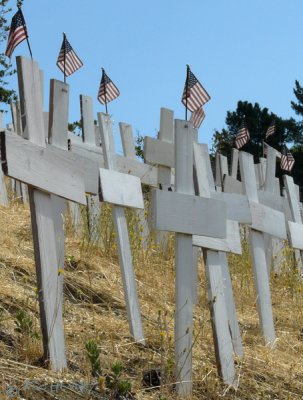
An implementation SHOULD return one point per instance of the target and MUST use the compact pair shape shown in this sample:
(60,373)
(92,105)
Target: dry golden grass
(94,309)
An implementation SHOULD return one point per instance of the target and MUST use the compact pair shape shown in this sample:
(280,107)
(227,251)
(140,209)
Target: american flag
(265,147)
(287,160)
(197,117)
(108,91)
(17,33)
(271,129)
(68,61)
(194,92)
(242,136)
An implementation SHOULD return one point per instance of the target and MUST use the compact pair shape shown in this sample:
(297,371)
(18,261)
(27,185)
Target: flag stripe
(242,137)
(72,61)
(197,118)
(108,91)
(194,95)
(17,33)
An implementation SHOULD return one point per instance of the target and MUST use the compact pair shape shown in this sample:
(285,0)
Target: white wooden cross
(128,145)
(46,170)
(266,220)
(121,190)
(226,330)
(187,215)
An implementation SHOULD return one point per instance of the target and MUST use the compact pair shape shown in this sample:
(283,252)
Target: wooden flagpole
(24,24)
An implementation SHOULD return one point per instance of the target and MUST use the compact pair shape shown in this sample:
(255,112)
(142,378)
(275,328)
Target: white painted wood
(42,220)
(158,152)
(148,174)
(231,244)
(176,212)
(184,262)
(88,126)
(128,277)
(228,322)
(258,254)
(41,167)
(237,206)
(128,145)
(293,198)
(216,294)
(166,134)
(231,307)
(234,163)
(267,220)
(232,185)
(121,189)
(89,138)
(296,235)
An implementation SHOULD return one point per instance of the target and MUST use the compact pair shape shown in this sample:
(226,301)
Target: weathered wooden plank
(232,243)
(121,189)
(237,206)
(296,235)
(176,212)
(166,134)
(148,174)
(217,302)
(258,254)
(234,163)
(32,164)
(125,259)
(58,111)
(87,117)
(267,220)
(158,152)
(232,185)
(46,258)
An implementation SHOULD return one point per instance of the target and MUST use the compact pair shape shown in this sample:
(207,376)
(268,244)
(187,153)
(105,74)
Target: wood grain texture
(32,164)
(158,152)
(176,212)
(267,220)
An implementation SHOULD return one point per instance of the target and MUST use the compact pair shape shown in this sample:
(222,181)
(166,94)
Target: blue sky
(238,49)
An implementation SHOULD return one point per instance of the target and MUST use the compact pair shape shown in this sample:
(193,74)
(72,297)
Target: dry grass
(95,309)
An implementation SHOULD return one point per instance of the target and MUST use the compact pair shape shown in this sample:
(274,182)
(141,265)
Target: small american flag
(242,136)
(287,160)
(271,129)
(17,33)
(194,92)
(197,118)
(68,61)
(108,91)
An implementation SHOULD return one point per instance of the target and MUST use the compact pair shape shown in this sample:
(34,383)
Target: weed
(93,354)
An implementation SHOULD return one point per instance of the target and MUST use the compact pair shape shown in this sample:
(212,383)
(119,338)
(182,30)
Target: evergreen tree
(6,94)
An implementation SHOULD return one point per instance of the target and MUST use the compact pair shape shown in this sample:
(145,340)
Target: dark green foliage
(257,120)
(93,354)
(6,94)
(139,146)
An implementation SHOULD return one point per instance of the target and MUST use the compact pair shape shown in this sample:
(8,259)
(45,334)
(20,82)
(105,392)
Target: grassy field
(96,329)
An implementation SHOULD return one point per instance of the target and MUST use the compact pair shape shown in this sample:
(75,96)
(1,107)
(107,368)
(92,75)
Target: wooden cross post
(224,319)
(89,137)
(46,170)
(295,227)
(266,220)
(185,214)
(121,190)
(234,163)
(128,145)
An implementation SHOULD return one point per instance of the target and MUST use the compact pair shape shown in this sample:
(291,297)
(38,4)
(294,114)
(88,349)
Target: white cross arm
(237,206)
(148,174)
(89,169)
(276,202)
(267,220)
(232,185)
(159,152)
(94,153)
(121,189)
(44,168)
(232,243)
(193,215)
(295,235)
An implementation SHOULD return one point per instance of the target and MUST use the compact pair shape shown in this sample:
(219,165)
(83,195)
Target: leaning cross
(266,220)
(121,190)
(46,170)
(187,215)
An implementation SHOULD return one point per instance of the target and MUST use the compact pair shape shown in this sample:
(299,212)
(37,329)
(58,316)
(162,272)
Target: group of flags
(194,95)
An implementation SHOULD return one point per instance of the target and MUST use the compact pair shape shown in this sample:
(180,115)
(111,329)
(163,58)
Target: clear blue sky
(238,49)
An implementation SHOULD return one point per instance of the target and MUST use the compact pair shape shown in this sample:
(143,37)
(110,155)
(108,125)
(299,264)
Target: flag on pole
(17,33)
(68,61)
(197,118)
(194,95)
(271,129)
(108,91)
(265,147)
(242,136)
(287,160)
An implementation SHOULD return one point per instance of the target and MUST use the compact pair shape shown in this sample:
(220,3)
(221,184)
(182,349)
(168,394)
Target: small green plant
(93,354)
(24,324)
(114,382)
